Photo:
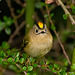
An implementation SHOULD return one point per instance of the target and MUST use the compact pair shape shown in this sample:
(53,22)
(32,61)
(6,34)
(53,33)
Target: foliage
(6,24)
(15,59)
(26,63)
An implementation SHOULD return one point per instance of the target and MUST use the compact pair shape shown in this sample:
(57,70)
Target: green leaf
(21,60)
(43,67)
(28,73)
(2,54)
(4,62)
(1,60)
(63,72)
(24,68)
(8,51)
(38,5)
(35,65)
(5,45)
(8,21)
(50,67)
(43,4)
(5,18)
(73,67)
(47,62)
(54,71)
(10,59)
(42,62)
(58,73)
(17,54)
(8,31)
(52,14)
(53,27)
(31,59)
(30,68)
(16,59)
(73,9)
(24,55)
(13,54)
(65,16)
(56,66)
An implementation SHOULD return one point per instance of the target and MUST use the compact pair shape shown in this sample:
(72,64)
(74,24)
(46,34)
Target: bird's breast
(39,46)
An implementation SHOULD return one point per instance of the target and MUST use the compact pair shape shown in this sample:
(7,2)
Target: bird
(38,41)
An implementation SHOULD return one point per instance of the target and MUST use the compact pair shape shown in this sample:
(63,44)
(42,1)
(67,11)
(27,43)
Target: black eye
(36,31)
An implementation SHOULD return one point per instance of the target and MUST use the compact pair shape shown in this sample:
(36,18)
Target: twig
(12,12)
(73,1)
(18,16)
(16,65)
(20,3)
(45,68)
(67,12)
(58,37)
(62,47)
(16,32)
(20,69)
(68,7)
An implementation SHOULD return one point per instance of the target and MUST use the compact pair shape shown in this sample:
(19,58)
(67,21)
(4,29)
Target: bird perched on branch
(38,40)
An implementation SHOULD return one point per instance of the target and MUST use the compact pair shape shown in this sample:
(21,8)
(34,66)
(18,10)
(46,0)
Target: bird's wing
(25,41)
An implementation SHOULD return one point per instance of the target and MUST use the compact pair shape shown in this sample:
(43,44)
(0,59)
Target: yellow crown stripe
(40,24)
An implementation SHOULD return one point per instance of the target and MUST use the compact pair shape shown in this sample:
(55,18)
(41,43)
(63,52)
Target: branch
(18,16)
(12,12)
(16,65)
(73,1)
(20,3)
(58,37)
(16,32)
(66,12)
(62,47)
(20,69)
(45,68)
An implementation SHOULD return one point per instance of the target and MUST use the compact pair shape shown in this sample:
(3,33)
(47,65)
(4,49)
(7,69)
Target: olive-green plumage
(38,41)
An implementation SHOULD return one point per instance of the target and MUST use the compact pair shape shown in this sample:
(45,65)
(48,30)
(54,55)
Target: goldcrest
(38,40)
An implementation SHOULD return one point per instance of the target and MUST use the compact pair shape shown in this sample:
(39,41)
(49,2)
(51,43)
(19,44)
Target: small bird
(38,40)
